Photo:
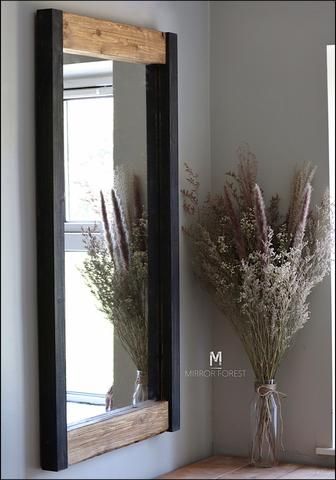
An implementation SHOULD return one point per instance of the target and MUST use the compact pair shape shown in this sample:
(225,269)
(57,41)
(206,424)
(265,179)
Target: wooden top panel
(105,39)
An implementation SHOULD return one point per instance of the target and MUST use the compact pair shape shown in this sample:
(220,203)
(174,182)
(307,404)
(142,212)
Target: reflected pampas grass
(116,269)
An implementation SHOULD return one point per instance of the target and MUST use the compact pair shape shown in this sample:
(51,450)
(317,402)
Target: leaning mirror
(107,233)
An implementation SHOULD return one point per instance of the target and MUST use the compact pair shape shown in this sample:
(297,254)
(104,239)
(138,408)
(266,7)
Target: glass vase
(140,389)
(266,425)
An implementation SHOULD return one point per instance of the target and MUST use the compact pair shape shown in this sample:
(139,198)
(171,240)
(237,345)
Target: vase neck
(141,377)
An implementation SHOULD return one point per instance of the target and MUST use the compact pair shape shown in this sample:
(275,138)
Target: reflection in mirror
(105,235)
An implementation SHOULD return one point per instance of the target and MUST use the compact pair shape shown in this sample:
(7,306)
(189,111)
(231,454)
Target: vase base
(263,464)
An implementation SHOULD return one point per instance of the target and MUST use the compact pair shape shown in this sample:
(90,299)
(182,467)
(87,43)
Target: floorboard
(222,467)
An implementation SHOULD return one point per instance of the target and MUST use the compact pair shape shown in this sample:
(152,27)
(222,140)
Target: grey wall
(269,88)
(129,152)
(124,375)
(20,451)
(129,90)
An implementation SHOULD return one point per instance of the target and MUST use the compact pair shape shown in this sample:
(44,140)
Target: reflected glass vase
(140,389)
(266,425)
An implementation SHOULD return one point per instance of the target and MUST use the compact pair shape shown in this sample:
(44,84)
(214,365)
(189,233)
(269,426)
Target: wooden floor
(238,467)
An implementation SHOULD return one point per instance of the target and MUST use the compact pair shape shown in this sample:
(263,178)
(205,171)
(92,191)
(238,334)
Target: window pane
(81,411)
(89,335)
(88,144)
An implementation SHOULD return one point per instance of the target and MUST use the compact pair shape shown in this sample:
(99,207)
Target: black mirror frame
(163,227)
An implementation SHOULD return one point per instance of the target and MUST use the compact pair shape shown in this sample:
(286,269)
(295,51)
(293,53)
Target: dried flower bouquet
(116,269)
(259,266)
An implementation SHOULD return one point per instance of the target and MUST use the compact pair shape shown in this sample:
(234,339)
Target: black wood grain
(162,144)
(163,193)
(50,237)
(169,236)
(153,195)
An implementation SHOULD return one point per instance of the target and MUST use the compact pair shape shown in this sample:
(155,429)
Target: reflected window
(88,168)
(88,139)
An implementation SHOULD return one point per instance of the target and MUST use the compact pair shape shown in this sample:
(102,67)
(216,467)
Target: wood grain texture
(105,39)
(306,472)
(120,430)
(154,215)
(50,216)
(208,468)
(107,434)
(169,235)
(262,473)
(163,230)
(223,467)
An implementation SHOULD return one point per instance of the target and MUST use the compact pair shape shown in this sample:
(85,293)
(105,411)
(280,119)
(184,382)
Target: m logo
(216,358)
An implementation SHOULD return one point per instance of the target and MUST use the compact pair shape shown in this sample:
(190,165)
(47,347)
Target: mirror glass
(105,236)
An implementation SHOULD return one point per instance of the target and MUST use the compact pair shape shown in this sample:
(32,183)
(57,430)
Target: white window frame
(86,398)
(331,129)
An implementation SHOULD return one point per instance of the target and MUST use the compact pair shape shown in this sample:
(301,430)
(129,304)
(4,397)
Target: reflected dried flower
(121,233)
(120,281)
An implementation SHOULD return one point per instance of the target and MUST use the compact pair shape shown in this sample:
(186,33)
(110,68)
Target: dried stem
(261,221)
(106,225)
(120,230)
(138,207)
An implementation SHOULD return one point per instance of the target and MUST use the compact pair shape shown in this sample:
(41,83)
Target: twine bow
(265,390)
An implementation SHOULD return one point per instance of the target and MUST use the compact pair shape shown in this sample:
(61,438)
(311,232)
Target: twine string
(265,392)
(141,378)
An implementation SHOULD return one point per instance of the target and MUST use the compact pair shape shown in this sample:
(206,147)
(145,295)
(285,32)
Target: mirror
(107,235)
(105,154)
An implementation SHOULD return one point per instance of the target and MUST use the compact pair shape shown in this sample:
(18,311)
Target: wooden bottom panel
(136,424)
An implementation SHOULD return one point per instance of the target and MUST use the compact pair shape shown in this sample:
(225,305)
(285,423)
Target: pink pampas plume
(235,222)
(299,234)
(121,235)
(260,216)
(107,230)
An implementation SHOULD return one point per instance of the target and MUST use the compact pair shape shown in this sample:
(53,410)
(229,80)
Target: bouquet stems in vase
(266,425)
